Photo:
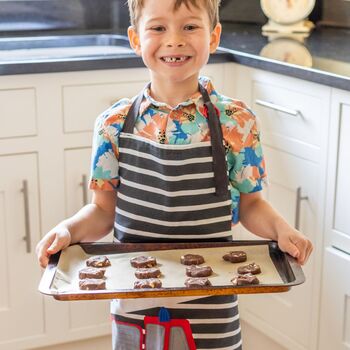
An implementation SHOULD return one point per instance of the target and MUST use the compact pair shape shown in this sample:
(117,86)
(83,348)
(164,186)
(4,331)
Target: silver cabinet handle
(297,208)
(26,238)
(83,184)
(278,108)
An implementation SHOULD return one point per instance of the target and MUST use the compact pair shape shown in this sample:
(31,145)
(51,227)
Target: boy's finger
(293,250)
(309,251)
(43,256)
(303,247)
(43,261)
(53,248)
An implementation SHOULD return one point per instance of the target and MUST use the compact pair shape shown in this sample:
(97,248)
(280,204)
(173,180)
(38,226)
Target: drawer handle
(26,238)
(83,184)
(278,108)
(297,208)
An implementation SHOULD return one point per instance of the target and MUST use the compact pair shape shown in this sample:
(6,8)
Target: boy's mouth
(172,59)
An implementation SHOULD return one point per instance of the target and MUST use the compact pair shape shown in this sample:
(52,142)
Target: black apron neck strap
(133,113)
(218,150)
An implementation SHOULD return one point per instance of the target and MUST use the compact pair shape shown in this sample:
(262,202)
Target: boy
(159,164)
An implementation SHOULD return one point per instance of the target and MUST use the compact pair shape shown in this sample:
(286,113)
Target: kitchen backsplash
(32,15)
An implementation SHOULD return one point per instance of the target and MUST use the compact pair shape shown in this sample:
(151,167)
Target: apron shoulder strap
(133,113)
(218,150)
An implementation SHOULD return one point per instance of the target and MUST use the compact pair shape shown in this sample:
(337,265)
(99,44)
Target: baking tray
(282,273)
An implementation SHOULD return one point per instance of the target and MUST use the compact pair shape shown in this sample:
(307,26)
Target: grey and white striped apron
(175,193)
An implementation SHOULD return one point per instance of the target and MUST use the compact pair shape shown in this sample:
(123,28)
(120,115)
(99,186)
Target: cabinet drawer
(83,103)
(17,113)
(290,120)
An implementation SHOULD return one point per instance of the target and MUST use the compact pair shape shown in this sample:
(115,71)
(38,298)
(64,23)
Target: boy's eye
(158,28)
(191,27)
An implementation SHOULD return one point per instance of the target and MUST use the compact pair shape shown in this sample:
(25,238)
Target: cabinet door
(290,318)
(338,220)
(21,305)
(83,314)
(335,305)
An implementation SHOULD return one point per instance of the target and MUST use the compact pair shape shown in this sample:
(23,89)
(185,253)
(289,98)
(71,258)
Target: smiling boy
(174,39)
(160,173)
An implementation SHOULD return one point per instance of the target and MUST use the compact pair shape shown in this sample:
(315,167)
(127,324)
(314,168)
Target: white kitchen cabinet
(338,218)
(335,302)
(335,305)
(21,306)
(293,116)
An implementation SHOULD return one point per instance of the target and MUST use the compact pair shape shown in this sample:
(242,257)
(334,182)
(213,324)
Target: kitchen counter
(322,58)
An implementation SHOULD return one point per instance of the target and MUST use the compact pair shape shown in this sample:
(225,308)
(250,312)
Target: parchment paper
(120,275)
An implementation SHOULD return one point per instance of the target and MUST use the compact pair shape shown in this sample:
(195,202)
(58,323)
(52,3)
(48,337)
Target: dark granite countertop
(323,58)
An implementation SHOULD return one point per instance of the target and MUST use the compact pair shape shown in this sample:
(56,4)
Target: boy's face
(174,45)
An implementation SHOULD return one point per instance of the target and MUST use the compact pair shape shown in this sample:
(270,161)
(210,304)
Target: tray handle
(296,269)
(49,274)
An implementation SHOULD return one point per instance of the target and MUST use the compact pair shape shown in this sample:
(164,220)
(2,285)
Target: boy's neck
(173,93)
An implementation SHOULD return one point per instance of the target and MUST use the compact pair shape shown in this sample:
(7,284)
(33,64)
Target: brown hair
(212,6)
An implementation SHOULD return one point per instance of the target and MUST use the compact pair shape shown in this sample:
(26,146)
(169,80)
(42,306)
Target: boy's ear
(215,38)
(134,40)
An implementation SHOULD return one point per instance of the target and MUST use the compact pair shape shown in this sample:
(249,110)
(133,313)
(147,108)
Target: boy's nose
(180,44)
(175,41)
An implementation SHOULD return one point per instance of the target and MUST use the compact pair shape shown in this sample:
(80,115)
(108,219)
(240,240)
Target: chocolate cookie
(198,271)
(143,261)
(197,282)
(98,261)
(241,280)
(192,259)
(91,272)
(148,283)
(152,272)
(235,256)
(252,268)
(92,284)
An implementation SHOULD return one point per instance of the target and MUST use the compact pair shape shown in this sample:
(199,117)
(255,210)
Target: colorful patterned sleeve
(245,158)
(104,159)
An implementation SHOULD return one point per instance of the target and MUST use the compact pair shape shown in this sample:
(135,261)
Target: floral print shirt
(186,123)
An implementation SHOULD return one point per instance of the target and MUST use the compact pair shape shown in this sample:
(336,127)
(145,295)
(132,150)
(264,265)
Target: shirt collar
(196,98)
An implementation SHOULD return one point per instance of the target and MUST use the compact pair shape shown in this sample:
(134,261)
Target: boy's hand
(295,244)
(55,240)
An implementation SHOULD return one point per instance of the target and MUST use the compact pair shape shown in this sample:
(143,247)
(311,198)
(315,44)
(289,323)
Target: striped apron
(174,193)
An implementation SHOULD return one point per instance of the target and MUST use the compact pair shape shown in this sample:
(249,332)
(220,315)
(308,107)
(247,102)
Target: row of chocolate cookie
(147,272)
(246,273)
(197,275)
(92,277)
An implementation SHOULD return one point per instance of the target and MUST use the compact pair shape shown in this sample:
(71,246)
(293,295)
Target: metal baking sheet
(279,271)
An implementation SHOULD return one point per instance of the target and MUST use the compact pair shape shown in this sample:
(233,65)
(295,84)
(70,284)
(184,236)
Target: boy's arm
(95,220)
(258,216)
(90,223)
